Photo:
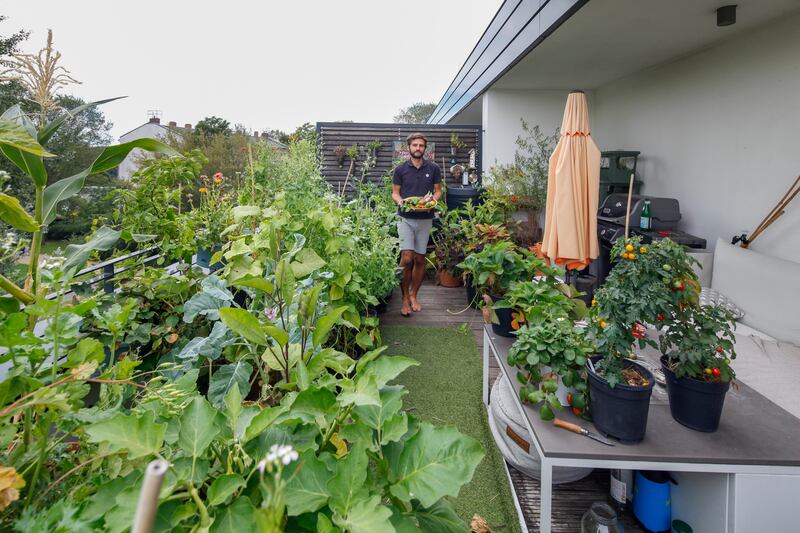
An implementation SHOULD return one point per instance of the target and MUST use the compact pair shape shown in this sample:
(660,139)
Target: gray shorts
(414,233)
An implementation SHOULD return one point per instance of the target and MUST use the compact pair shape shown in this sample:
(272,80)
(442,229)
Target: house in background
(155,130)
(152,129)
(712,108)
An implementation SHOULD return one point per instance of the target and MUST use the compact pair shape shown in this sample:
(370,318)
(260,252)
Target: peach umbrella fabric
(573,186)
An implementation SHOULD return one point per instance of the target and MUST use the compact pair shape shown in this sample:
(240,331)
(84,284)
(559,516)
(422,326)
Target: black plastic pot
(504,317)
(695,404)
(620,412)
(204,255)
(472,292)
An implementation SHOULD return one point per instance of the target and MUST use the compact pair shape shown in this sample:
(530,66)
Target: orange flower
(513,198)
(203,189)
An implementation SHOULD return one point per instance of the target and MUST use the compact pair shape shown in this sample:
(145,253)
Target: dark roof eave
(494,54)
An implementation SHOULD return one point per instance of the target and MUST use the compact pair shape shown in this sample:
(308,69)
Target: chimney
(187,126)
(154,120)
(255,134)
(173,124)
(264,135)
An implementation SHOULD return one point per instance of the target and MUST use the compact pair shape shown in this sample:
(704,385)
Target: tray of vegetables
(419,203)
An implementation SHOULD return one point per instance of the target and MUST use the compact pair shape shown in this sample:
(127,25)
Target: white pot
(562,391)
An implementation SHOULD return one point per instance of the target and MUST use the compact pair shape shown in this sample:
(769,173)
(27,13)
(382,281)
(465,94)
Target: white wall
(720,131)
(131,163)
(502,110)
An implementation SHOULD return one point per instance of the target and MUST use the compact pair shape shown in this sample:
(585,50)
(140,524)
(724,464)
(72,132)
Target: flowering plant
(648,285)
(212,216)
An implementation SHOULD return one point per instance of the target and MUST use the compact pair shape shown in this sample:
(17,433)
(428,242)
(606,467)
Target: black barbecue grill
(665,213)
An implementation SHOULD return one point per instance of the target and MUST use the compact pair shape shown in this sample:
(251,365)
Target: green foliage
(523,184)
(647,284)
(415,114)
(213,126)
(699,339)
(497,266)
(152,203)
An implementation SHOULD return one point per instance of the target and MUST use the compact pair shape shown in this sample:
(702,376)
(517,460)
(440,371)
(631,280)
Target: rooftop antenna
(154,113)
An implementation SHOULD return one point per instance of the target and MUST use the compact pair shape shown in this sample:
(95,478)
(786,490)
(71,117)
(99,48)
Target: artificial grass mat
(444,389)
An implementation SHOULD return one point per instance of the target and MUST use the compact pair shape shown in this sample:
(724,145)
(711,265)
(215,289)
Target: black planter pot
(204,258)
(620,412)
(695,404)
(472,293)
(504,317)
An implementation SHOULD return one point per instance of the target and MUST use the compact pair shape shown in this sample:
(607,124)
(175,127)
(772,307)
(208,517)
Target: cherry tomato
(577,411)
(715,372)
(719,349)
(569,398)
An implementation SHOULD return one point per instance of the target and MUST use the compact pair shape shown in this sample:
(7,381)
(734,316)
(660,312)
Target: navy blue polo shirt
(415,181)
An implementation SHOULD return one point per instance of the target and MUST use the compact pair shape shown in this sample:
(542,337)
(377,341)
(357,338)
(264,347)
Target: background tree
(213,126)
(418,113)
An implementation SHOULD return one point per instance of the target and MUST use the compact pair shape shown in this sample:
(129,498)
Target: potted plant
(373,147)
(647,283)
(449,244)
(340,152)
(551,349)
(211,218)
(494,269)
(456,143)
(698,346)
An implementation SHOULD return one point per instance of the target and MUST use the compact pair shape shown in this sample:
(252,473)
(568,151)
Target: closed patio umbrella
(573,183)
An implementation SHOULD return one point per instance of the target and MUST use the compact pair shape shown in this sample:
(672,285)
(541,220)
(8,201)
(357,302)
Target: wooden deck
(442,307)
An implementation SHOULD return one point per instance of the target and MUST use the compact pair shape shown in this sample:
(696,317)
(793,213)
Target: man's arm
(396,194)
(437,191)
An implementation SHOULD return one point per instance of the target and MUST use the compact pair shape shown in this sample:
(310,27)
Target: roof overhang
(517,27)
(586,44)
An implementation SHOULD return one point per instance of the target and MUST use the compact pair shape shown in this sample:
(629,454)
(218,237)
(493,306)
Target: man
(415,177)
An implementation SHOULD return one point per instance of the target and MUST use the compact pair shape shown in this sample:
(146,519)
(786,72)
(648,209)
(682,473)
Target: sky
(264,64)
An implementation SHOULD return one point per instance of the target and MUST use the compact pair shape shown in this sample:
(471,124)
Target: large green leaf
(363,392)
(439,518)
(376,417)
(307,489)
(27,162)
(139,435)
(243,323)
(17,136)
(52,126)
(233,406)
(347,484)
(238,517)
(223,487)
(103,239)
(227,376)
(386,368)
(366,515)
(312,404)
(110,157)
(262,421)
(214,294)
(12,213)
(305,262)
(434,463)
(113,155)
(325,323)
(198,427)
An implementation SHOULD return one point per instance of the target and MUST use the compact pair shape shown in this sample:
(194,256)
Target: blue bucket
(652,505)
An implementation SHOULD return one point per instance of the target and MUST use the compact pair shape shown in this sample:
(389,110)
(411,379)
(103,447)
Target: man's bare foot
(415,306)
(405,309)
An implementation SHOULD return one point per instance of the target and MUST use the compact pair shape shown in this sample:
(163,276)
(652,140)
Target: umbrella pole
(628,209)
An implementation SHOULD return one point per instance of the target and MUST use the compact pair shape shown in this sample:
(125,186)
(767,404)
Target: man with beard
(415,177)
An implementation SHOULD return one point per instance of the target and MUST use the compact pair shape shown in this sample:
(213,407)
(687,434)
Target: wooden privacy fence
(391,137)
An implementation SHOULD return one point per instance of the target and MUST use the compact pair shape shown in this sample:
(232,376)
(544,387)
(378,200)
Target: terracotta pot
(446,279)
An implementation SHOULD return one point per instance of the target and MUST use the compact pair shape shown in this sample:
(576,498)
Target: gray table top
(752,431)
